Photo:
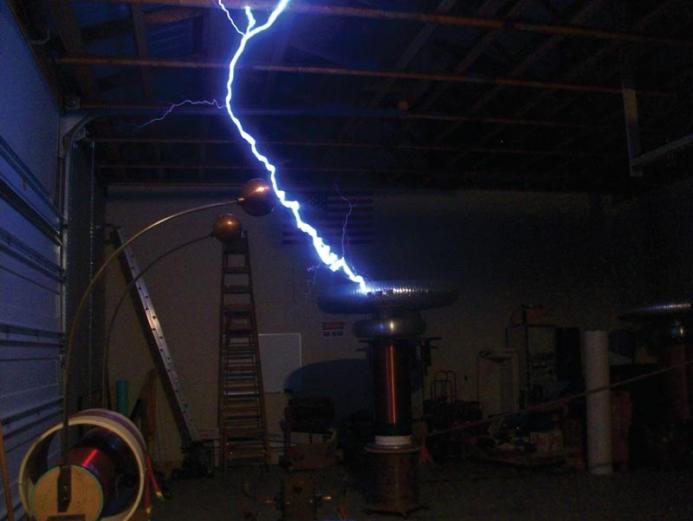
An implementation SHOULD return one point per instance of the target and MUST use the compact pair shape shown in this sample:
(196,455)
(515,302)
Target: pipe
(67,143)
(339,71)
(595,360)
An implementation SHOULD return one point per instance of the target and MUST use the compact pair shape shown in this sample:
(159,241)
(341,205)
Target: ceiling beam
(69,32)
(70,35)
(116,109)
(413,49)
(367,171)
(532,57)
(470,58)
(344,72)
(578,69)
(435,18)
(252,168)
(474,180)
(140,31)
(344,145)
(115,28)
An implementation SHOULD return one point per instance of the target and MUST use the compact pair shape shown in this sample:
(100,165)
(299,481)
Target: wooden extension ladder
(242,422)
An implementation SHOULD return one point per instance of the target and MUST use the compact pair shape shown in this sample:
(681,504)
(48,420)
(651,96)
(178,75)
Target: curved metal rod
(64,479)
(105,384)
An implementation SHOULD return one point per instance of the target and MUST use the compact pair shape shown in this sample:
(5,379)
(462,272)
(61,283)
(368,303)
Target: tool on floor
(242,422)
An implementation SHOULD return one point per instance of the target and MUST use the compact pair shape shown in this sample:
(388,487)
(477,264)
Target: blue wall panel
(30,279)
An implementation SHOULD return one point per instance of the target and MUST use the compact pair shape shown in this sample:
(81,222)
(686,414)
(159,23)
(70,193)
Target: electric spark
(334,262)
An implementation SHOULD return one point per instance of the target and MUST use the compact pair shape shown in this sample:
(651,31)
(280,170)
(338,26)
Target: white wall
(575,254)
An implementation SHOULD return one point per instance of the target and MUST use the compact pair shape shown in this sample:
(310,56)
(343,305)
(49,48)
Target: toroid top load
(392,330)
(669,323)
(387,295)
(394,304)
(669,328)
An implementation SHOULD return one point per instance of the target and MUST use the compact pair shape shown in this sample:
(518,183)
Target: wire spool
(107,468)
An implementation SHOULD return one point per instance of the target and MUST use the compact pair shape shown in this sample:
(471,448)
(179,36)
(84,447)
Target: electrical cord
(561,401)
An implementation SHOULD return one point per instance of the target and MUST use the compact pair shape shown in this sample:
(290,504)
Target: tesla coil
(391,332)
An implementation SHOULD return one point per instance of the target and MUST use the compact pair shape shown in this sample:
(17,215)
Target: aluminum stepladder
(159,347)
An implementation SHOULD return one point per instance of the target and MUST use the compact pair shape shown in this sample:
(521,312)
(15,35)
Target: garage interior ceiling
(494,94)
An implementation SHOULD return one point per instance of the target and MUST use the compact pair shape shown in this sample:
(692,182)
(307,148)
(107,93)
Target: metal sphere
(257,197)
(227,228)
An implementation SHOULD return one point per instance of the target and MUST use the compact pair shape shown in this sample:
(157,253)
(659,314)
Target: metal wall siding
(30,275)
(29,117)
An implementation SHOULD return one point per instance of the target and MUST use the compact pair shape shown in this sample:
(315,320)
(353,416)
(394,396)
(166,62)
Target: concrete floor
(460,492)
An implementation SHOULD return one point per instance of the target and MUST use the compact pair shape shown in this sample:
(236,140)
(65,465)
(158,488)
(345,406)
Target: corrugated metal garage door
(30,274)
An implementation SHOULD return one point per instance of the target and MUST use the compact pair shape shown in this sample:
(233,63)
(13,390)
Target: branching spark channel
(333,261)
(174,106)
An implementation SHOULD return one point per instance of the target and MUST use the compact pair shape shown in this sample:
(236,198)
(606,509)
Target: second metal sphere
(257,197)
(227,228)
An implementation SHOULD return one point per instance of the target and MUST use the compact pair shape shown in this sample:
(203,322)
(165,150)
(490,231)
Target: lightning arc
(333,261)
(174,106)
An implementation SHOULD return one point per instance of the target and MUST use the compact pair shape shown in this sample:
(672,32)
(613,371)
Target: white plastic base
(394,441)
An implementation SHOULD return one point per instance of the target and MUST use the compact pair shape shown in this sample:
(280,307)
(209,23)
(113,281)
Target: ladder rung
(247,416)
(235,383)
(238,376)
(237,424)
(239,355)
(237,401)
(237,407)
(247,444)
(231,365)
(237,393)
(235,330)
(239,247)
(236,269)
(246,336)
(236,289)
(231,384)
(245,435)
(238,308)
(248,429)
(260,454)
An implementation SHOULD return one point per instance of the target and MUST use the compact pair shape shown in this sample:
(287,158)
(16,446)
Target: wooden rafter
(488,23)
(360,73)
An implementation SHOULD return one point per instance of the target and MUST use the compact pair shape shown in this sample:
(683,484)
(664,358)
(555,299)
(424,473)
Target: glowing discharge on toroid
(333,261)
